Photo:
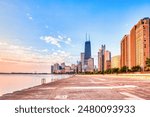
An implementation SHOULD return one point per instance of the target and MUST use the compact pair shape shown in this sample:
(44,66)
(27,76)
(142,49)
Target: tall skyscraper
(125,51)
(101,58)
(136,47)
(132,48)
(142,41)
(107,60)
(86,61)
(87,51)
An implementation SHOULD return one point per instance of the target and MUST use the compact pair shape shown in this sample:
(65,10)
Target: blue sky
(48,31)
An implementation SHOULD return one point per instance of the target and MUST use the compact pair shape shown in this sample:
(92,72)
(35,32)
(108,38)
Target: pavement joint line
(61,97)
(131,96)
(102,87)
(101,79)
(92,81)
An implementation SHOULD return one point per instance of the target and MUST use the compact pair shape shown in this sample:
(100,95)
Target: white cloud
(47,26)
(30,56)
(56,41)
(29,16)
(52,40)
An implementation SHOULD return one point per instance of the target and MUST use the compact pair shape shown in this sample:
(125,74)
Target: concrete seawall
(85,87)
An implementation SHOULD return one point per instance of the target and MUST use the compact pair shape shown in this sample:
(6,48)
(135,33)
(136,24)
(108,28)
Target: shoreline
(36,85)
(57,85)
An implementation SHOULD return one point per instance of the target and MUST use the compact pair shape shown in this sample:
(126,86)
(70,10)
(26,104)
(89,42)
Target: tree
(124,69)
(147,62)
(136,68)
(147,67)
(115,70)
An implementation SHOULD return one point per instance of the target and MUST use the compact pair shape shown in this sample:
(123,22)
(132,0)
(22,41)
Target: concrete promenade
(87,87)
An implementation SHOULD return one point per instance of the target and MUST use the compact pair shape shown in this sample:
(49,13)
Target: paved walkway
(87,87)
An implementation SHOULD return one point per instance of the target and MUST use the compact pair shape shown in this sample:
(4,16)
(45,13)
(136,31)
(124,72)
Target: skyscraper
(82,61)
(124,60)
(142,41)
(101,58)
(136,47)
(88,65)
(87,51)
(107,60)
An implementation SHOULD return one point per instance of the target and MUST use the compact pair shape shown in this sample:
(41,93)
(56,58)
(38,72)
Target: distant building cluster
(134,50)
(65,69)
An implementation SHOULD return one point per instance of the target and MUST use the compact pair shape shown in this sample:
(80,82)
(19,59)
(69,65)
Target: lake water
(14,82)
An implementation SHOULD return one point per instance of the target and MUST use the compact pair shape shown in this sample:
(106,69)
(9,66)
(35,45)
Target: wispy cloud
(52,40)
(56,40)
(30,55)
(29,16)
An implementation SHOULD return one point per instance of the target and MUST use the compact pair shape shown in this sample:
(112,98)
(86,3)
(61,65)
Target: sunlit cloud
(52,40)
(17,55)
(56,40)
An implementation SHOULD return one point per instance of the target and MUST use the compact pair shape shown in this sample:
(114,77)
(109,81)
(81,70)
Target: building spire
(86,36)
(89,37)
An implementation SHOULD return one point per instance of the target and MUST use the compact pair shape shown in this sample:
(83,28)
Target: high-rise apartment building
(132,48)
(90,67)
(107,60)
(115,61)
(124,59)
(101,58)
(142,41)
(136,47)
(82,61)
(104,59)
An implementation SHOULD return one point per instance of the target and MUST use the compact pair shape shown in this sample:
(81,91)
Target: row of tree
(123,69)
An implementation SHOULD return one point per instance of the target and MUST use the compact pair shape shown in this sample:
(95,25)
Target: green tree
(124,69)
(148,62)
(147,67)
(115,70)
(136,68)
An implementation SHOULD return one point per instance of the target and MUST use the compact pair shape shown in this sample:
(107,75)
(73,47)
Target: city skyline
(34,36)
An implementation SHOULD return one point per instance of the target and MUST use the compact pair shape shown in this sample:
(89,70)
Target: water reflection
(13,82)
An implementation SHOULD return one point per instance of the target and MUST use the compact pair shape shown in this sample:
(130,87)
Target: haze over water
(15,82)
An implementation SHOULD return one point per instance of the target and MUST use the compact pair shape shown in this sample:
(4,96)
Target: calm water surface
(14,82)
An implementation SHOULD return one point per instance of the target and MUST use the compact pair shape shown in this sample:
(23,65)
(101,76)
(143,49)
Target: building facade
(104,59)
(101,58)
(115,61)
(87,52)
(82,62)
(107,60)
(124,58)
(90,67)
(142,41)
(135,48)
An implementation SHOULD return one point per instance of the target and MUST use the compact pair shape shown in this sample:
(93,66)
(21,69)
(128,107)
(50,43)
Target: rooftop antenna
(89,37)
(86,36)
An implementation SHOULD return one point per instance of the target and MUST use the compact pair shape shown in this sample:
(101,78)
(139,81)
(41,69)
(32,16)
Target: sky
(34,34)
